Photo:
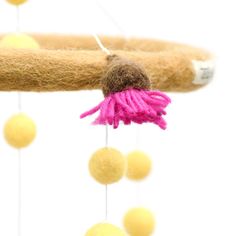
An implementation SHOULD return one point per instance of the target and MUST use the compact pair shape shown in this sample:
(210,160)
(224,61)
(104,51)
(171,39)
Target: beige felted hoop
(69,63)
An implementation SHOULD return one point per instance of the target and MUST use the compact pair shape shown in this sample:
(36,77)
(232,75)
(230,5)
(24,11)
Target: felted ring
(70,63)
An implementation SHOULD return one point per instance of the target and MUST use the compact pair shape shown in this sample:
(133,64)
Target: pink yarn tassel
(132,105)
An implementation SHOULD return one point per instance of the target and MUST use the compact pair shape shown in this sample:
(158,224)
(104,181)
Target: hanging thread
(111,18)
(100,44)
(137,138)
(106,135)
(19,95)
(19,101)
(105,50)
(106,186)
(106,202)
(19,192)
(17,19)
(19,98)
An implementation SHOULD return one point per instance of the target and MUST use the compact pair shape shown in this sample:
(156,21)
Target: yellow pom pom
(107,165)
(139,222)
(16,2)
(105,230)
(139,165)
(21,41)
(19,131)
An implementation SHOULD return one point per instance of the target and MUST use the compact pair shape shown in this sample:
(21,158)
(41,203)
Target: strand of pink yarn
(132,105)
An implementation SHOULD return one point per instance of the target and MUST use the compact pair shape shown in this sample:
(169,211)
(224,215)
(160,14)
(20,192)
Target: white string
(106,186)
(138,191)
(106,202)
(137,145)
(19,100)
(19,193)
(19,104)
(100,44)
(106,135)
(17,19)
(19,176)
(111,18)
(137,140)
(104,49)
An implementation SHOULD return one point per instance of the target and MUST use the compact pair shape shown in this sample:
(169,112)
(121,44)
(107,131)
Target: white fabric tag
(204,71)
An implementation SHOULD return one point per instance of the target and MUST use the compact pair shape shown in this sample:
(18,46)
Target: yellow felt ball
(138,165)
(139,222)
(17,2)
(20,41)
(107,165)
(20,131)
(105,229)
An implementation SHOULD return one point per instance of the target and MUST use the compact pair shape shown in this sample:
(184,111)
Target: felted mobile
(133,75)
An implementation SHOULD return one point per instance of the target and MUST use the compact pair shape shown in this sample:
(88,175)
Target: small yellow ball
(139,222)
(105,229)
(18,41)
(17,2)
(20,131)
(138,165)
(107,165)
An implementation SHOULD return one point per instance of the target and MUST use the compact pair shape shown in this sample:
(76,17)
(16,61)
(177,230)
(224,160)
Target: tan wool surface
(69,63)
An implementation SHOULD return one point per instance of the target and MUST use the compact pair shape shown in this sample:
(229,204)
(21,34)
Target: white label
(204,71)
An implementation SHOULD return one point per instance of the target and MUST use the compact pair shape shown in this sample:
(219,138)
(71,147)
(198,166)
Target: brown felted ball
(123,74)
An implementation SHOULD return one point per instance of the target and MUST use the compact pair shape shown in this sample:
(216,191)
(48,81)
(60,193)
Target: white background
(192,189)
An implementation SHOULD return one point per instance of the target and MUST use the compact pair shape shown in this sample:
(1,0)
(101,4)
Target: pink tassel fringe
(132,105)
